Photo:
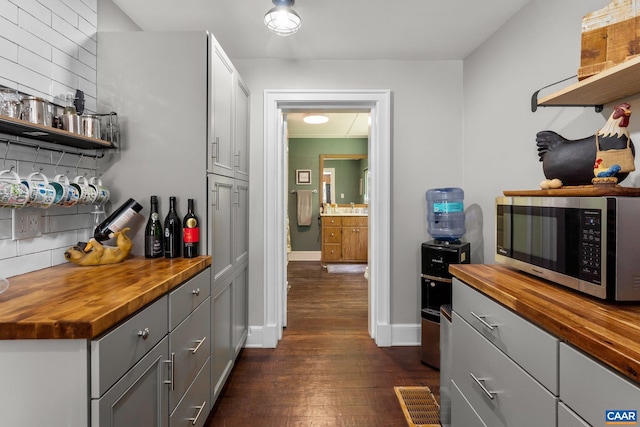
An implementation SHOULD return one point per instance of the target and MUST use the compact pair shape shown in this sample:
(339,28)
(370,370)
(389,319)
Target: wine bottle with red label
(190,232)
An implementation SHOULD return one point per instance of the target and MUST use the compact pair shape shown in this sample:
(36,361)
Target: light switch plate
(26,223)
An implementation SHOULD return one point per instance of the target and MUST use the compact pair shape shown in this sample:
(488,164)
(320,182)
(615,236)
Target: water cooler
(435,282)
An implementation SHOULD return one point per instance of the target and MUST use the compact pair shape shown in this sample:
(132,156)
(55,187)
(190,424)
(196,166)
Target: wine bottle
(172,232)
(153,240)
(191,232)
(117,220)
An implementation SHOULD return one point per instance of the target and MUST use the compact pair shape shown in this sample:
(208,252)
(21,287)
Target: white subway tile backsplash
(73,65)
(87,28)
(63,11)
(88,58)
(47,33)
(25,77)
(25,264)
(34,62)
(11,31)
(8,50)
(37,10)
(9,11)
(87,10)
(47,48)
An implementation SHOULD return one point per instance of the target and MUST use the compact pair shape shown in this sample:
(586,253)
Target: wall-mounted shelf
(22,128)
(615,83)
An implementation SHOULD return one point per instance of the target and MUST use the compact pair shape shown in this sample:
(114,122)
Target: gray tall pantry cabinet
(184,117)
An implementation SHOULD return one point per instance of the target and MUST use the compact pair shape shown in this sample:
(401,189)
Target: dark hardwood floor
(326,370)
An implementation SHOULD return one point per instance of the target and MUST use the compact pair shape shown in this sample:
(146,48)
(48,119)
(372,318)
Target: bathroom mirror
(343,178)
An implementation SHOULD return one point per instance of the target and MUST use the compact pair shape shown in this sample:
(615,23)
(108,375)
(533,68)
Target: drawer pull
(196,292)
(200,408)
(484,322)
(144,333)
(490,394)
(194,349)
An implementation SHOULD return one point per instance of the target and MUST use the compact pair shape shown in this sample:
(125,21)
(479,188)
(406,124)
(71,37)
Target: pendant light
(282,20)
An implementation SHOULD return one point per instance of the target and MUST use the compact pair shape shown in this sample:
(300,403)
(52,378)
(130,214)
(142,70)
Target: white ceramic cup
(41,193)
(70,194)
(87,193)
(13,193)
(103,192)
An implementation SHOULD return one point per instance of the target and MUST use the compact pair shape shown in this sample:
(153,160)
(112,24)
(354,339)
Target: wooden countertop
(70,301)
(609,332)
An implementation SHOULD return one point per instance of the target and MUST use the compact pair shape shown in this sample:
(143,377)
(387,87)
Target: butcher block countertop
(609,332)
(70,301)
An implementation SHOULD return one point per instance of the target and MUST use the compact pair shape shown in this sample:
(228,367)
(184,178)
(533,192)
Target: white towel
(304,207)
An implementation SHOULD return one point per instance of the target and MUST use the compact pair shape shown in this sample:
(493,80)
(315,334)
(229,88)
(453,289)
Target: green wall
(304,153)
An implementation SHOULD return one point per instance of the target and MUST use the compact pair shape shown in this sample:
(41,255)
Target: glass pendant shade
(282,20)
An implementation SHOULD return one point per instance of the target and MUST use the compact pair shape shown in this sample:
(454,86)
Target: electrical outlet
(26,223)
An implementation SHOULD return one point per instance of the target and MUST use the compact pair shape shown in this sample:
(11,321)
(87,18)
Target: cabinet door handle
(200,408)
(194,349)
(172,372)
(196,292)
(480,381)
(144,333)
(484,322)
(216,143)
(237,165)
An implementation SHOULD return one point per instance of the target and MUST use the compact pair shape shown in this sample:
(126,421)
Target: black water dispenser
(435,286)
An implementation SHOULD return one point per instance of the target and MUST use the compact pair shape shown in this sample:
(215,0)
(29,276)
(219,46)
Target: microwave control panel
(591,245)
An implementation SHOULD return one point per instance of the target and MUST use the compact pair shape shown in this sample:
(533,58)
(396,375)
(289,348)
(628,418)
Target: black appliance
(435,284)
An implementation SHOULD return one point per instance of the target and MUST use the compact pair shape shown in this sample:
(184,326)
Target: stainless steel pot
(90,126)
(37,110)
(71,123)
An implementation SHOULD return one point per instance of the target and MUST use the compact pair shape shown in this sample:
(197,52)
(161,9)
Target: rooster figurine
(574,161)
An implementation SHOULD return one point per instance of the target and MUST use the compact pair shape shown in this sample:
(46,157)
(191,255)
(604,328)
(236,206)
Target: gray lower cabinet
(507,371)
(139,398)
(590,389)
(153,370)
(498,390)
(221,327)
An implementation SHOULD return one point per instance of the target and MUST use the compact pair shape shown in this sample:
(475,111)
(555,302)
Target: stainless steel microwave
(590,244)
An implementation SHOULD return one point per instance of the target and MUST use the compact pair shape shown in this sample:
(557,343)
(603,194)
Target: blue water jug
(445,213)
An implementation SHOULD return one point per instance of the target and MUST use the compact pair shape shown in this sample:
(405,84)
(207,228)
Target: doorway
(275,202)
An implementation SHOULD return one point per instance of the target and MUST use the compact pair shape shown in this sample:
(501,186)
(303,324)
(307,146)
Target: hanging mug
(88,193)
(13,193)
(41,193)
(103,192)
(70,194)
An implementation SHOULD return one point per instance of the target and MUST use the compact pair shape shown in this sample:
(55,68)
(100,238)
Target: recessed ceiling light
(315,119)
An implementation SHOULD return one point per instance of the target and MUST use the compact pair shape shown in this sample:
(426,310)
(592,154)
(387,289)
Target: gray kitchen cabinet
(222,155)
(143,370)
(221,343)
(240,286)
(241,137)
(193,410)
(504,367)
(498,389)
(590,389)
(139,397)
(189,341)
(221,227)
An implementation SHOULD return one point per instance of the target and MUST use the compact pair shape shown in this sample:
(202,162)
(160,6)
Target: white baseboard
(304,256)
(406,334)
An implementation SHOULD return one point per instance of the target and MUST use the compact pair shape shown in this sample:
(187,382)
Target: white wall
(426,152)
(47,48)
(537,47)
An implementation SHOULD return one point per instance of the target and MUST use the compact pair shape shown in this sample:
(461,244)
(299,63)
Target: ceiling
(334,30)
